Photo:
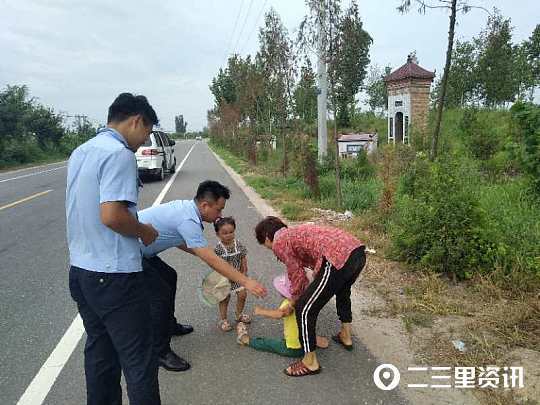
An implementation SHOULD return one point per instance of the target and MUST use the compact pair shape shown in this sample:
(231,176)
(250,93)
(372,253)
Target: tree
(45,125)
(533,53)
(349,65)
(523,76)
(454,6)
(305,95)
(180,124)
(321,28)
(376,88)
(462,78)
(495,64)
(14,108)
(345,48)
(276,58)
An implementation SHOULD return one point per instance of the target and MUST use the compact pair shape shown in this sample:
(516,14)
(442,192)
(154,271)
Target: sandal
(244,318)
(241,330)
(224,325)
(337,339)
(299,369)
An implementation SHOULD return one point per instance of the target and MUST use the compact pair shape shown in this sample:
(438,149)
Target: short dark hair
(127,105)
(218,223)
(210,190)
(267,228)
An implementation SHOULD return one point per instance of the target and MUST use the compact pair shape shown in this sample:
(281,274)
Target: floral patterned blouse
(308,245)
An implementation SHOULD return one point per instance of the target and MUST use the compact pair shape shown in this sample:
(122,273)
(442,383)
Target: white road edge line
(33,167)
(42,383)
(161,195)
(32,174)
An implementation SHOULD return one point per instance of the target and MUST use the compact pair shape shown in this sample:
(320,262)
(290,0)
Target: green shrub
(23,150)
(527,118)
(440,225)
(513,224)
(360,195)
(357,168)
(480,135)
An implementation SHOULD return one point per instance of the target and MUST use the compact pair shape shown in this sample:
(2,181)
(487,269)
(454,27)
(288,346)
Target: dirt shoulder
(413,319)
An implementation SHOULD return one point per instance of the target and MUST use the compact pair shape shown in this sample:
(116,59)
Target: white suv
(156,156)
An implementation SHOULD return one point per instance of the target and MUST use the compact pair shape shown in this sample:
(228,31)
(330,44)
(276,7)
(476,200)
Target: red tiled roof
(409,70)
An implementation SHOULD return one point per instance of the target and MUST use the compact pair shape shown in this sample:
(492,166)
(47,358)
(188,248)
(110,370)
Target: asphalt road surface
(36,308)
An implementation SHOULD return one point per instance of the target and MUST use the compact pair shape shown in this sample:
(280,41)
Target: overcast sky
(76,56)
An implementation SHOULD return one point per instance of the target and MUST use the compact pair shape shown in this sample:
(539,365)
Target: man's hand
(147,233)
(255,288)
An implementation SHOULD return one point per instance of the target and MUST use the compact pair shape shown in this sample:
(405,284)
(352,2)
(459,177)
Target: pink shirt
(306,246)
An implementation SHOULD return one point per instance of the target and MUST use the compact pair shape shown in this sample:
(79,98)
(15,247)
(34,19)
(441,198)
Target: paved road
(37,309)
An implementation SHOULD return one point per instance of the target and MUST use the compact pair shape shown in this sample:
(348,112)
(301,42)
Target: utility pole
(322,88)
(81,120)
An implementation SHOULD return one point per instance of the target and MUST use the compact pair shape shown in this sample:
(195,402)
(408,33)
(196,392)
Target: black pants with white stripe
(328,282)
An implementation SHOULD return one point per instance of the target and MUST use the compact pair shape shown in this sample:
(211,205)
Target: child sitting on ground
(234,253)
(290,345)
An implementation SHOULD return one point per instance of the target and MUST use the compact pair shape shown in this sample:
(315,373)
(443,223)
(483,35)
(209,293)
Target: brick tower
(408,99)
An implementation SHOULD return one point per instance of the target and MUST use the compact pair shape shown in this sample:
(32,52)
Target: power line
(233,31)
(254,26)
(243,26)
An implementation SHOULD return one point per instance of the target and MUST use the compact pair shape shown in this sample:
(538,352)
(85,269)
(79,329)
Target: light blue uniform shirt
(178,223)
(101,170)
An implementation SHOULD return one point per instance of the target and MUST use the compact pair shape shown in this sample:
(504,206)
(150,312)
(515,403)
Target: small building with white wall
(351,144)
(408,99)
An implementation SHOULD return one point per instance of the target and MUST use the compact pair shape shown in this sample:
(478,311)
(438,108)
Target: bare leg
(311,361)
(241,297)
(345,333)
(322,342)
(223,305)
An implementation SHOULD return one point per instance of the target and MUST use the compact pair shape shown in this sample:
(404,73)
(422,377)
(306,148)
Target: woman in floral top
(336,258)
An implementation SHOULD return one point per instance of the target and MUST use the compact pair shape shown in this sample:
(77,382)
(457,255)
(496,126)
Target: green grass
(514,224)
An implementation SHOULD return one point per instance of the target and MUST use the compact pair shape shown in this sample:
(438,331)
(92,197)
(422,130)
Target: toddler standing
(234,253)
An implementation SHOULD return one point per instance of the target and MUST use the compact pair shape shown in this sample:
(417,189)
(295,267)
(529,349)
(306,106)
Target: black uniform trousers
(161,279)
(115,309)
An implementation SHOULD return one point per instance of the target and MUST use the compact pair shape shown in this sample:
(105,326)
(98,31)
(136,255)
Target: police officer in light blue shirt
(106,279)
(180,225)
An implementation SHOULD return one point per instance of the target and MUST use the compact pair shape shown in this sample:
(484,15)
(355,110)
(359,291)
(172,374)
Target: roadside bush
(360,195)
(527,118)
(24,150)
(357,168)
(513,224)
(480,135)
(439,225)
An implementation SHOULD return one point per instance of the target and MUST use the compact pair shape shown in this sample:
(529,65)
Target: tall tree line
(490,70)
(274,93)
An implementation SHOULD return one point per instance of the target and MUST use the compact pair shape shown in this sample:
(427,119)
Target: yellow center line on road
(31,197)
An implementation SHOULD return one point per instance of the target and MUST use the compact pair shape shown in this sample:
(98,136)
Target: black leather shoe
(172,362)
(179,329)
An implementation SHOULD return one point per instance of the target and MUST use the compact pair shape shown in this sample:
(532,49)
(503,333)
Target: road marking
(33,174)
(31,197)
(161,195)
(33,167)
(42,383)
